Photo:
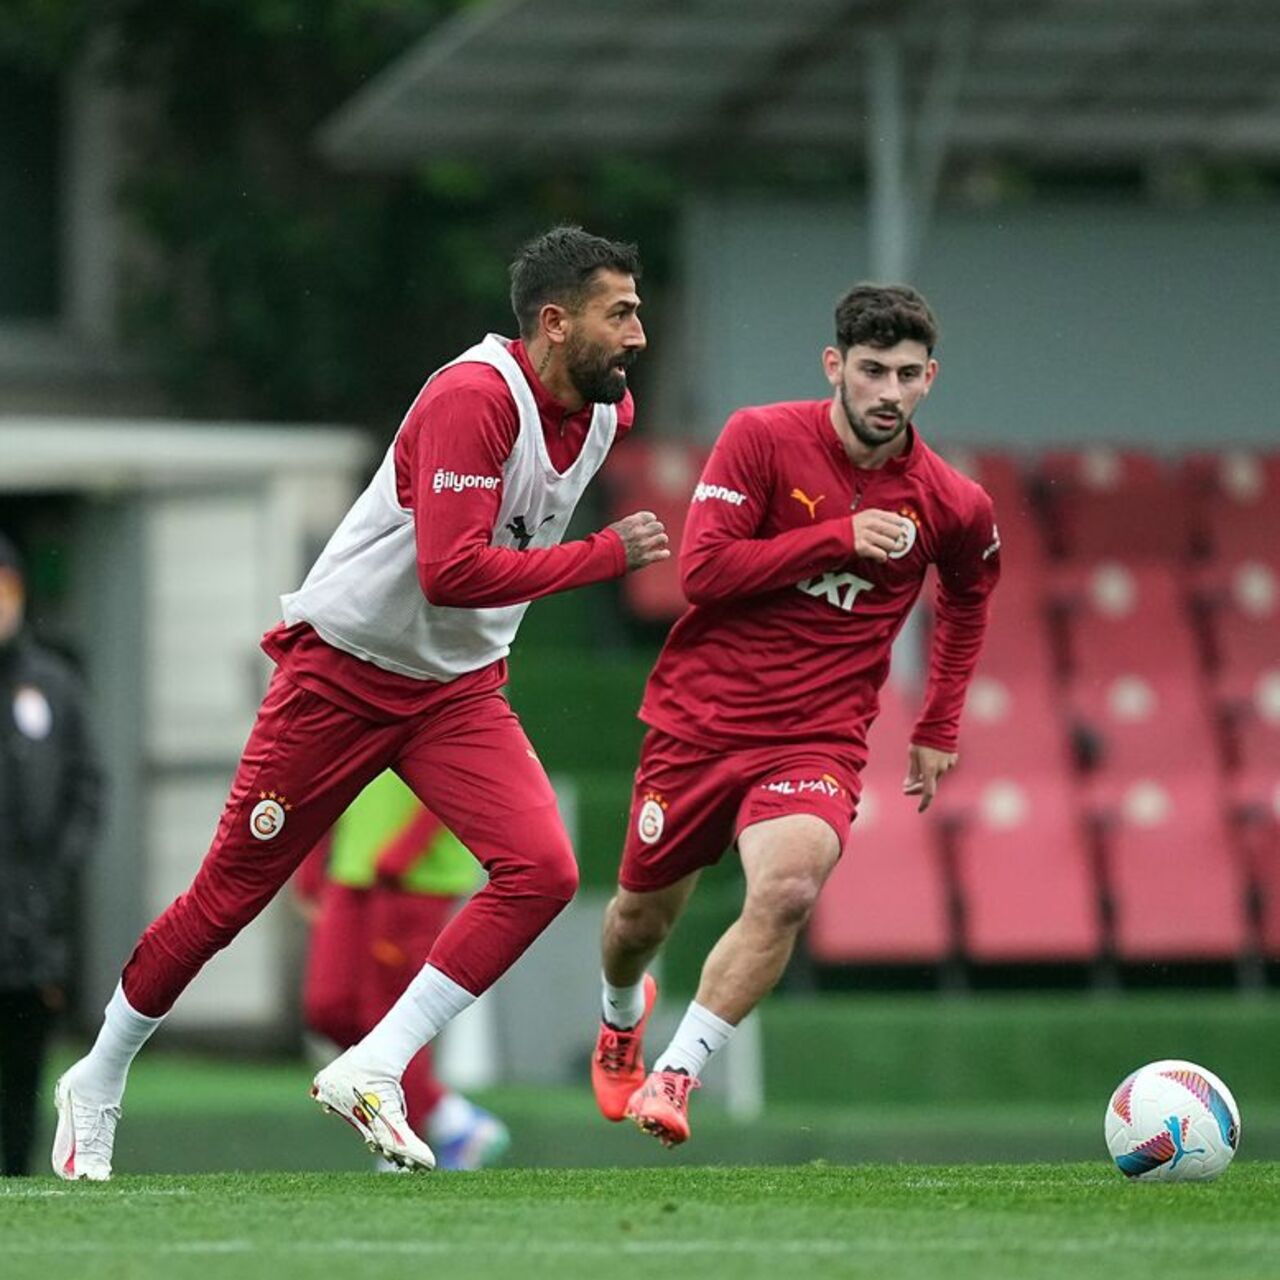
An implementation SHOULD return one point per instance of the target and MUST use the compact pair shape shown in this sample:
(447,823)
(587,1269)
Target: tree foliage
(275,287)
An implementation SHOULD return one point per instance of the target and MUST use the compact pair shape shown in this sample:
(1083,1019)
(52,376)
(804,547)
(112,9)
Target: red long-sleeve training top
(788,634)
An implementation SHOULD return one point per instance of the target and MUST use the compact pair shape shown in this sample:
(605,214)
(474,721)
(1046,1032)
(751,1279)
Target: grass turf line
(892,1222)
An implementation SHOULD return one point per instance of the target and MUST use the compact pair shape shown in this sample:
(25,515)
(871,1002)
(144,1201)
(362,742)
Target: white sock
(101,1074)
(428,1003)
(700,1034)
(622,1007)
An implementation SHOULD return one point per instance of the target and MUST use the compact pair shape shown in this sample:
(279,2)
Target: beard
(866,432)
(598,375)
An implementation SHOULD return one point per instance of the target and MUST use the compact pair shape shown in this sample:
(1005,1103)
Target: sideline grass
(902,1222)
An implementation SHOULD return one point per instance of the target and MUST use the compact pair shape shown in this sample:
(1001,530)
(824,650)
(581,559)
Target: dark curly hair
(882,315)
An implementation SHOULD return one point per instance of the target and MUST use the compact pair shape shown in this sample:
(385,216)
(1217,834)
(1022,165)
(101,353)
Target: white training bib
(363,595)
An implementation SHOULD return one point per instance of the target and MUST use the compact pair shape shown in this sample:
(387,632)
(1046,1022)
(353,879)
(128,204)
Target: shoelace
(618,1050)
(676,1086)
(95,1129)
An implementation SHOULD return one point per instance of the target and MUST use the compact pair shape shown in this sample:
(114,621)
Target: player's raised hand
(925,766)
(876,533)
(644,538)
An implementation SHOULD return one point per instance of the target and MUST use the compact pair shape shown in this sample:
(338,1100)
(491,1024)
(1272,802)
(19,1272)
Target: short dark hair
(882,315)
(557,266)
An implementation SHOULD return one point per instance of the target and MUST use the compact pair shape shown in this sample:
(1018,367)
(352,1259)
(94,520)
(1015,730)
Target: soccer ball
(1172,1121)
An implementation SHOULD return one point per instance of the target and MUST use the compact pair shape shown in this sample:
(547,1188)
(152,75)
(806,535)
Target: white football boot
(374,1107)
(84,1138)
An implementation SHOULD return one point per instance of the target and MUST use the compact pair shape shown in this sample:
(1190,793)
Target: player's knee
(553,872)
(561,881)
(786,901)
(636,924)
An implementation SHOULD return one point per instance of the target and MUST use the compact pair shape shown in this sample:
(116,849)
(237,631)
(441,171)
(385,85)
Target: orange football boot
(661,1106)
(617,1069)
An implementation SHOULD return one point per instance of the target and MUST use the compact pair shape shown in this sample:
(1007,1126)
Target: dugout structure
(180,538)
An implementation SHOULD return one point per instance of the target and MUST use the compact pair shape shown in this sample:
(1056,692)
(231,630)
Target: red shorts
(691,803)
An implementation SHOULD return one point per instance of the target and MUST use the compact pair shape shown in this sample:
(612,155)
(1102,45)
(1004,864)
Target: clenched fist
(644,538)
(877,534)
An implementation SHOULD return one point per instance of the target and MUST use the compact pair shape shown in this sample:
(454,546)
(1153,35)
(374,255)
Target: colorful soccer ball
(1172,1121)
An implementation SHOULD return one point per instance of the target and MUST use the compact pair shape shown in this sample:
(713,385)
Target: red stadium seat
(1234,499)
(1011,728)
(1018,639)
(1256,744)
(1244,625)
(886,901)
(1025,874)
(1176,886)
(1143,726)
(1112,502)
(657,477)
(1129,617)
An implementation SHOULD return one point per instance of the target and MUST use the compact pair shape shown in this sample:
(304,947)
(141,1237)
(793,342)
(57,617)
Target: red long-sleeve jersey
(788,634)
(463,422)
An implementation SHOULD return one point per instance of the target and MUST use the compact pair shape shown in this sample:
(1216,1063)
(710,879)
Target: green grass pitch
(891,1222)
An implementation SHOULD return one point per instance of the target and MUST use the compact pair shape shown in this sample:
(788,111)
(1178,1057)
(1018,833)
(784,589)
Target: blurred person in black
(49,803)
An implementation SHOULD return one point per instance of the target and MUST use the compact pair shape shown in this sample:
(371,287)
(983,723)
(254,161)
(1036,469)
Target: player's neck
(864,456)
(550,371)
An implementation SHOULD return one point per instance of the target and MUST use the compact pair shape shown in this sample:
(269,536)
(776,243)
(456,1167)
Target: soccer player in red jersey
(392,654)
(808,539)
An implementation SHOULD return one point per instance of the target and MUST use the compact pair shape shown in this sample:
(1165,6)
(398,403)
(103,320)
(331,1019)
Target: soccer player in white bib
(392,654)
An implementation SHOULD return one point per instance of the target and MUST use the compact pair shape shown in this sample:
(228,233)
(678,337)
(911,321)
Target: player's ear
(930,372)
(833,365)
(553,322)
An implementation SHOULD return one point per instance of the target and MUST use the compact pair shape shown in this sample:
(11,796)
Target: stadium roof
(1057,81)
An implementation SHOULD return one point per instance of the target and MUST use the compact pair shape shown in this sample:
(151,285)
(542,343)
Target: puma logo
(812,503)
(1174,1125)
(522,533)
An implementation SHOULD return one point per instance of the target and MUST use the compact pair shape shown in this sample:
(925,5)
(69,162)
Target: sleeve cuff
(935,741)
